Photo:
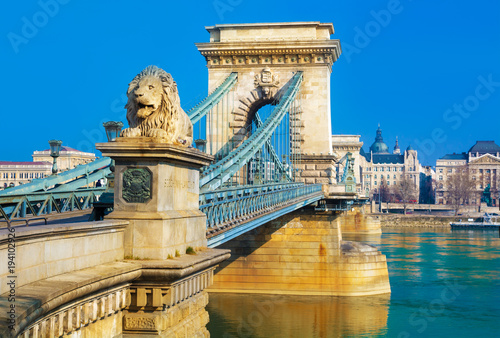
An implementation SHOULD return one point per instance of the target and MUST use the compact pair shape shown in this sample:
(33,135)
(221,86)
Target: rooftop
(485,147)
(24,163)
(64,149)
(462,156)
(388,159)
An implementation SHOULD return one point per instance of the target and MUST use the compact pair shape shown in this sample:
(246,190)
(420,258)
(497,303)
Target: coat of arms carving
(136,185)
(267,82)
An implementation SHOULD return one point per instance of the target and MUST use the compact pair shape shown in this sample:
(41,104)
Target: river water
(444,284)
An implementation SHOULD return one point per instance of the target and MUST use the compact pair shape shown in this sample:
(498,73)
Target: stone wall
(301,253)
(355,221)
(187,319)
(44,251)
(317,169)
(423,221)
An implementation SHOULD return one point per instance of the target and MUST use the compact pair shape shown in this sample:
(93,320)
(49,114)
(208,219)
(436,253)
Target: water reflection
(233,315)
(444,284)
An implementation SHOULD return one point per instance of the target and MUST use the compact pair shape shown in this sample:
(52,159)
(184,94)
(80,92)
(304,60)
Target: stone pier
(302,253)
(157,193)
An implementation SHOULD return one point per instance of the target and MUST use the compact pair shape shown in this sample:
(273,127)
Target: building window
(388,183)
(480,171)
(375,169)
(388,176)
(440,177)
(450,170)
(367,176)
(401,169)
(480,186)
(487,171)
(473,178)
(394,177)
(440,171)
(375,176)
(375,183)
(381,168)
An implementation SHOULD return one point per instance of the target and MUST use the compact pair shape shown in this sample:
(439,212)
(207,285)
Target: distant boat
(485,222)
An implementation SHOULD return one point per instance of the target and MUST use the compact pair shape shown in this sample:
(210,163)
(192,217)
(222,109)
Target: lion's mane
(169,117)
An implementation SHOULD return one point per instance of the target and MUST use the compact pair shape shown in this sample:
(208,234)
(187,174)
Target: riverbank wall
(416,221)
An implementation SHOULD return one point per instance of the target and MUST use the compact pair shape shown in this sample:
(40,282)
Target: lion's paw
(159,133)
(130,132)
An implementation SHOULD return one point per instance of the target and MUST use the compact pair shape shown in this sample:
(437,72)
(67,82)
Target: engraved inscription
(137,185)
(170,183)
(138,323)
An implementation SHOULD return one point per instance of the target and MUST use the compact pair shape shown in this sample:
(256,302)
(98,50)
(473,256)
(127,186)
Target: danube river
(444,284)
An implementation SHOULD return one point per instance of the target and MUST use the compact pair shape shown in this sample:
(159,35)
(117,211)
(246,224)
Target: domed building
(379,147)
(379,165)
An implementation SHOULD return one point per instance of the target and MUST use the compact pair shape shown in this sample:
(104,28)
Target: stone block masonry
(302,253)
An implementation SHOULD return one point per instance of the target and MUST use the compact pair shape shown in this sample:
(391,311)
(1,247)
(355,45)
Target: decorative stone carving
(137,185)
(139,323)
(485,159)
(267,82)
(154,110)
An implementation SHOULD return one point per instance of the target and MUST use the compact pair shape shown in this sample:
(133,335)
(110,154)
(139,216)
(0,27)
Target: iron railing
(225,207)
(14,207)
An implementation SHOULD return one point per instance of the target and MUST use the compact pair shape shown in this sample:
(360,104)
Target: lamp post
(112,129)
(201,144)
(106,200)
(55,147)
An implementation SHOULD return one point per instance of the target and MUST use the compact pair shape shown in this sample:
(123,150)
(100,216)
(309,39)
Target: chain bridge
(262,172)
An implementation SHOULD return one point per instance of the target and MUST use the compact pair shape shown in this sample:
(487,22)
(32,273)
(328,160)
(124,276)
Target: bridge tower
(265,57)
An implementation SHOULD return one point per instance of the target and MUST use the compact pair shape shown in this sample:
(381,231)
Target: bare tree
(459,187)
(405,191)
(385,192)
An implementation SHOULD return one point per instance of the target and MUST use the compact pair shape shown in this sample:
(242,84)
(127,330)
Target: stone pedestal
(157,191)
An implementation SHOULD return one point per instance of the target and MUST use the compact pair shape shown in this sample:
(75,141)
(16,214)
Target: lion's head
(153,108)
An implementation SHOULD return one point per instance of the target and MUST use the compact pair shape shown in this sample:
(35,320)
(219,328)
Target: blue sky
(429,72)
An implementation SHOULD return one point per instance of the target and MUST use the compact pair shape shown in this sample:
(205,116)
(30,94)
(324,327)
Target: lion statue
(154,110)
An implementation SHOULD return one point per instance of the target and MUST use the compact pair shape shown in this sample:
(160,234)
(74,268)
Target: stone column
(157,191)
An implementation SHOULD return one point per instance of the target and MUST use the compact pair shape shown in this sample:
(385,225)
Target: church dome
(379,147)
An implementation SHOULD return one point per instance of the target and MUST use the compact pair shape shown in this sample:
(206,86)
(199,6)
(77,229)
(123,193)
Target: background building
(68,157)
(13,174)
(483,162)
(379,164)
